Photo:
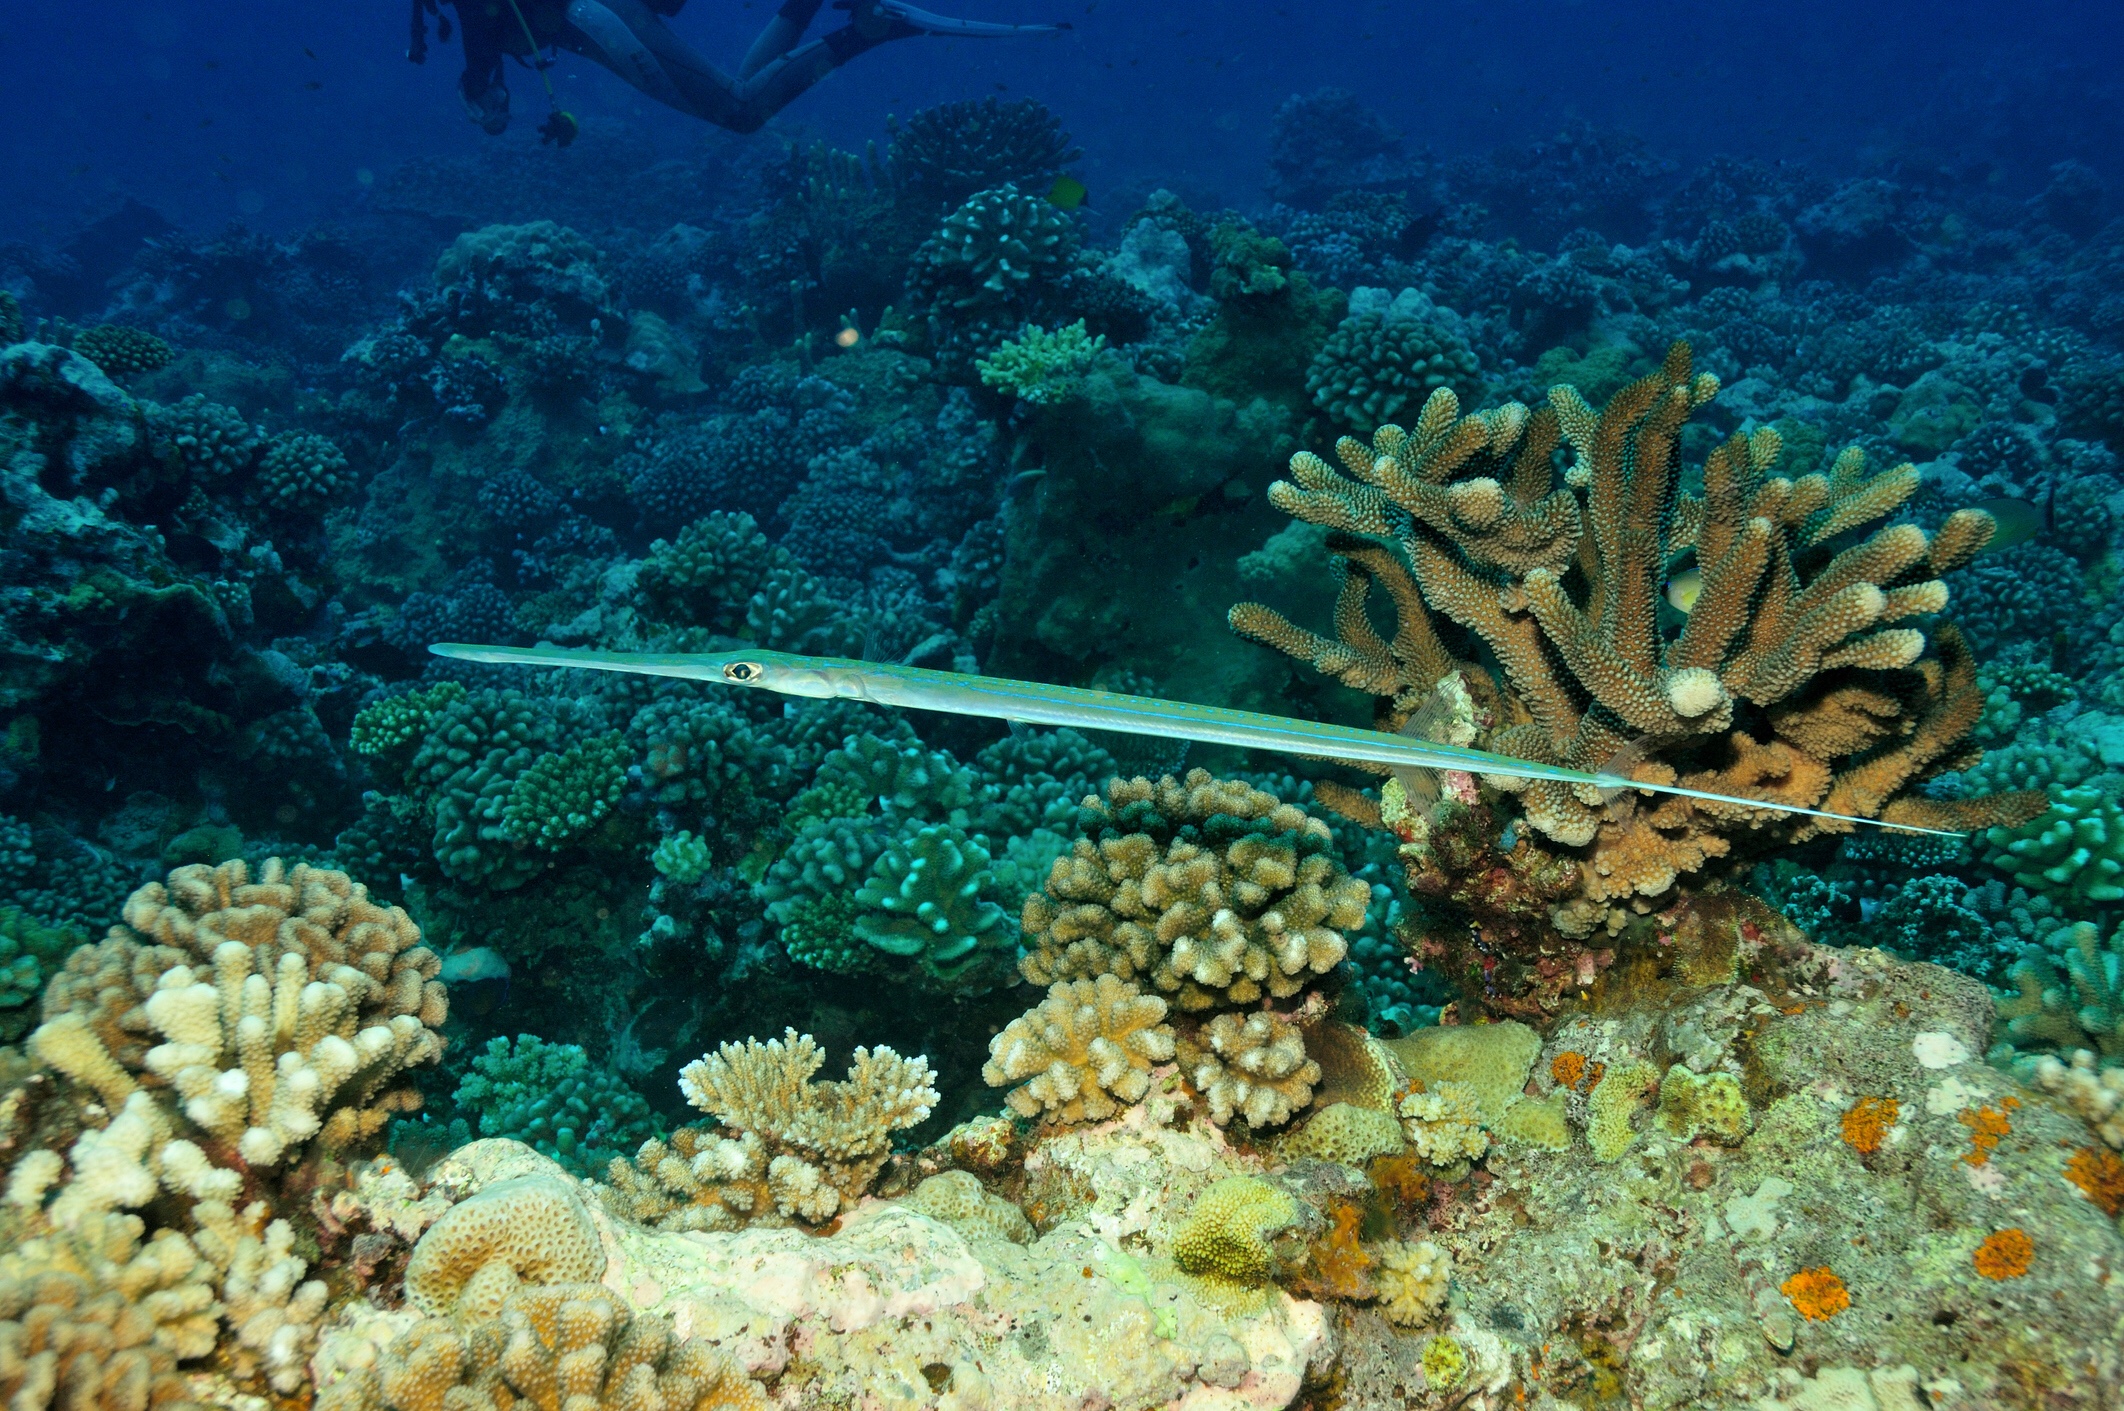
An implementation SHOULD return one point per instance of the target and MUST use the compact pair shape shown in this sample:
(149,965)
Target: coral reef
(1786,640)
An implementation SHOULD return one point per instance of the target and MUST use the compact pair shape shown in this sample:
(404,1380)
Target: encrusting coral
(1796,677)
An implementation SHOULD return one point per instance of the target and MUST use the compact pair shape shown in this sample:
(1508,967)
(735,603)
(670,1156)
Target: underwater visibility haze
(1088,705)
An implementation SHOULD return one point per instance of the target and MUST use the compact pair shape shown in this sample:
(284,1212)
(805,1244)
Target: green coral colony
(386,1030)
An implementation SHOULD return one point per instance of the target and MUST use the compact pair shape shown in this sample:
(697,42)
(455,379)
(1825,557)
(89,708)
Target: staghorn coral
(823,1143)
(1212,890)
(289,1005)
(1795,677)
(1083,1053)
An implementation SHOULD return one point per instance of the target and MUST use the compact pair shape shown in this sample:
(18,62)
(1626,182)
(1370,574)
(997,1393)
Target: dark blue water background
(215,112)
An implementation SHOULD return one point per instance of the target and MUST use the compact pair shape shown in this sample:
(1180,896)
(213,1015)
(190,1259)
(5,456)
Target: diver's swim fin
(923,22)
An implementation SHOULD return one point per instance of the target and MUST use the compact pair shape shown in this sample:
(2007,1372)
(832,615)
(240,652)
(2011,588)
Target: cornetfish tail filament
(918,688)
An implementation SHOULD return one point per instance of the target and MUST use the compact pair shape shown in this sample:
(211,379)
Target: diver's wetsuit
(630,38)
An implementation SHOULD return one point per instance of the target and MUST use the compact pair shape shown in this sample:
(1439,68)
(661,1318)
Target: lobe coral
(1798,677)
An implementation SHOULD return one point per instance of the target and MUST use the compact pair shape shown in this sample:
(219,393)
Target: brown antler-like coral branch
(1562,583)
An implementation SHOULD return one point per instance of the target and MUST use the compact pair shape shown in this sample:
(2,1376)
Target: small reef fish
(1067,192)
(918,688)
(1684,588)
(2018,520)
(478,978)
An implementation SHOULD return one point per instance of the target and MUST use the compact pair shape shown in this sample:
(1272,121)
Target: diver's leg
(629,38)
(780,36)
(485,96)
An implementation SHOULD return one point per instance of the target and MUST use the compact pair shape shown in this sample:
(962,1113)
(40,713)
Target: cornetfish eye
(741,671)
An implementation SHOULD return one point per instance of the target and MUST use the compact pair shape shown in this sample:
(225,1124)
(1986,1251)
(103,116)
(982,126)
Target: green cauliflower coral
(29,953)
(301,471)
(2069,995)
(2073,852)
(119,350)
(1043,368)
(563,796)
(389,731)
(926,901)
(553,1098)
(1376,364)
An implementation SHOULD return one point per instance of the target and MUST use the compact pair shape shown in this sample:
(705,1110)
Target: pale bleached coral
(572,1345)
(531,1227)
(272,1311)
(1345,1133)
(1256,906)
(1444,1124)
(823,1143)
(2094,1093)
(1413,1281)
(1615,1100)
(95,1311)
(960,1201)
(1254,1067)
(1083,1053)
(289,1005)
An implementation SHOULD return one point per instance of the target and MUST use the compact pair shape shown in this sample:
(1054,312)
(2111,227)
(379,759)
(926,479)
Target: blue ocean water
(1218,354)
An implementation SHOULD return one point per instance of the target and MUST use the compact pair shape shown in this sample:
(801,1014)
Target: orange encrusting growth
(2100,1176)
(1575,1071)
(1817,1294)
(2005,1254)
(1340,1267)
(1868,1123)
(1986,1125)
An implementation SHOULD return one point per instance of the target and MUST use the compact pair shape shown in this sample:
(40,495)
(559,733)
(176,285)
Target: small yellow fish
(1684,588)
(2018,520)
(1067,192)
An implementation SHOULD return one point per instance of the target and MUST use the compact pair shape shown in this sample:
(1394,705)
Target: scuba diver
(630,38)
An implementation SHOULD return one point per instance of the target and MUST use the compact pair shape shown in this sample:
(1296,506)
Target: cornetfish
(918,688)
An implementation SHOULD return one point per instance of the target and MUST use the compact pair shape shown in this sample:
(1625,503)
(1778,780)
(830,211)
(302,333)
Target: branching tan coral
(1796,677)
(1083,1053)
(824,1142)
(1256,907)
(1254,1067)
(561,1347)
(92,1318)
(289,1006)
(1413,1280)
